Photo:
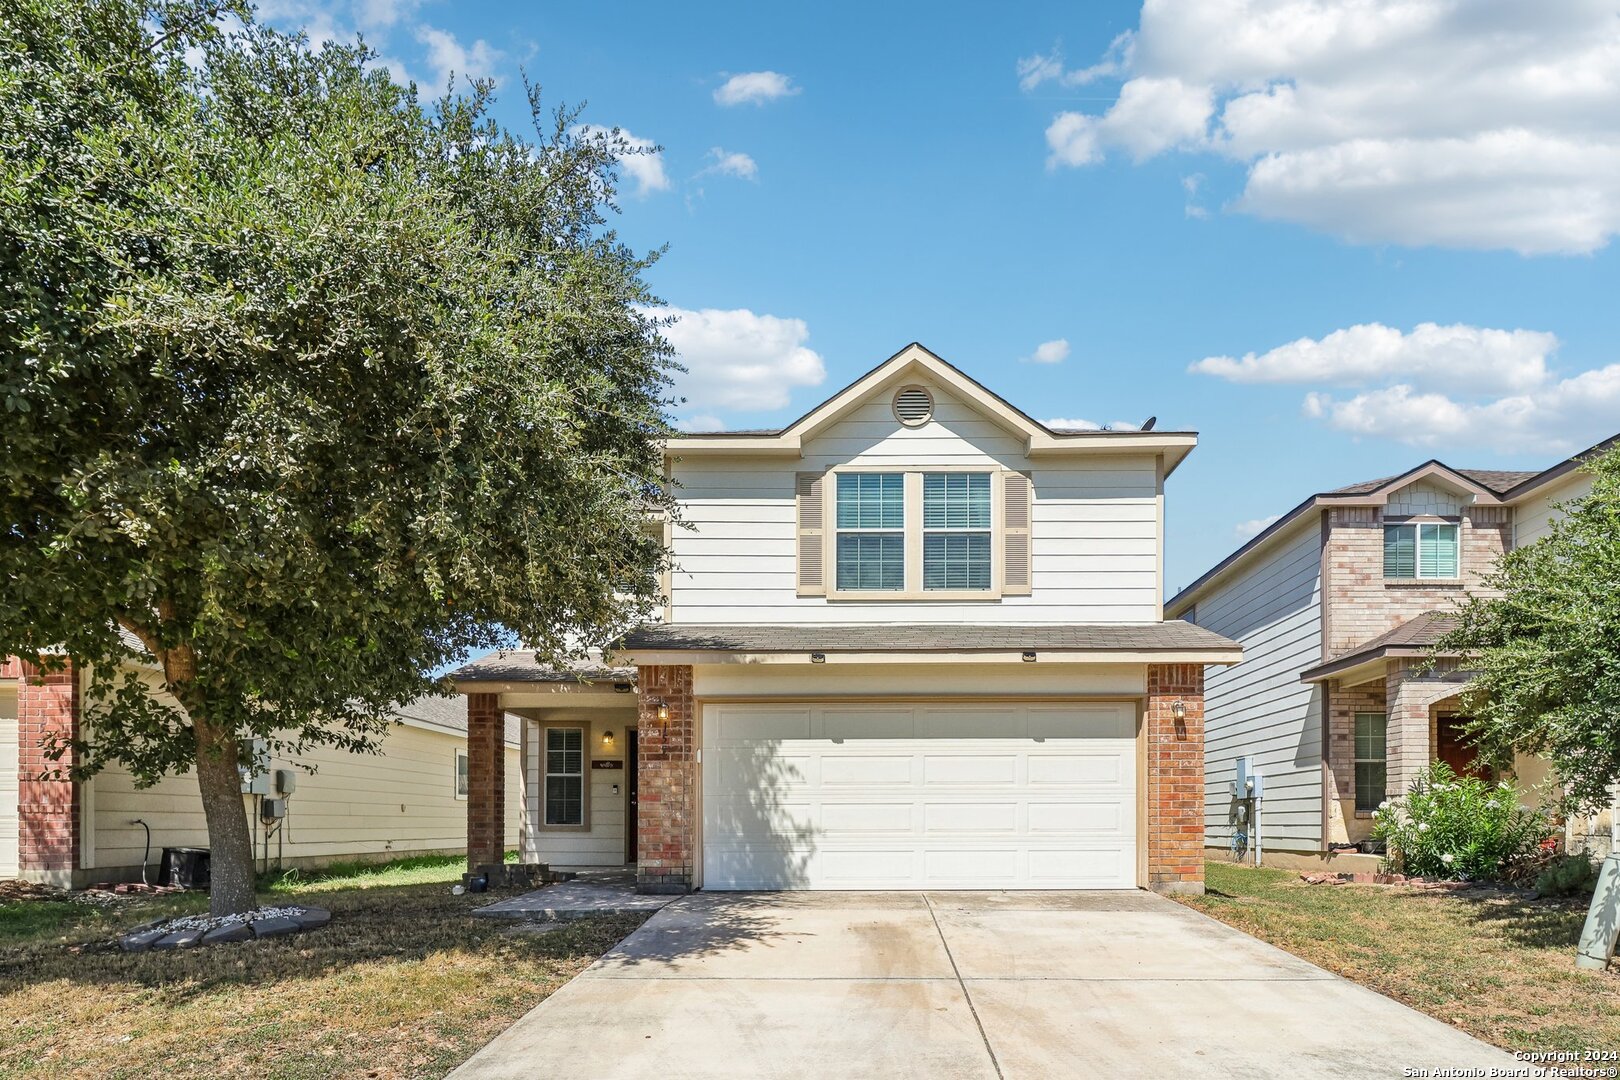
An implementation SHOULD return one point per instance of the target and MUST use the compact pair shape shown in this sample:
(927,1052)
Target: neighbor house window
(565,776)
(1371,762)
(1420,550)
(956,531)
(871,520)
(461,774)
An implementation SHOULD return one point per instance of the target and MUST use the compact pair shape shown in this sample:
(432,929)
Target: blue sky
(1405,212)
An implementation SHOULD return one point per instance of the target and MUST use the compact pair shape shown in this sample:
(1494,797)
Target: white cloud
(755,88)
(450,58)
(641,159)
(1191,185)
(1041,68)
(1485,360)
(737,360)
(1246,530)
(1439,386)
(1469,125)
(731,163)
(1561,416)
(700,423)
(1049,352)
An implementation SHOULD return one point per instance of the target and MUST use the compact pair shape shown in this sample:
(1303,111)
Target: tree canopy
(1543,646)
(309,386)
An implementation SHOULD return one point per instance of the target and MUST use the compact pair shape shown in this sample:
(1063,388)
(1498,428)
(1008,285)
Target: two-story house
(1339,703)
(913,639)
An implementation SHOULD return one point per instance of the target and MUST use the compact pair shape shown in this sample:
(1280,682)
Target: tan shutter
(1015,518)
(808,494)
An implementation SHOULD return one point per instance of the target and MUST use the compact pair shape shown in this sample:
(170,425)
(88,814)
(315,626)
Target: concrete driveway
(944,985)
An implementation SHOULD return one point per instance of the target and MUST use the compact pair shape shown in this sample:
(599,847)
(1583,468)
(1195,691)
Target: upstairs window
(1414,550)
(871,522)
(956,531)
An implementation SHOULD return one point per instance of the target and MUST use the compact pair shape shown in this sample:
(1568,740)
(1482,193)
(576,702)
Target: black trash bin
(186,867)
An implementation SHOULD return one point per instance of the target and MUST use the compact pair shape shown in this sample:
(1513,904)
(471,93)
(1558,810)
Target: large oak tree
(308,386)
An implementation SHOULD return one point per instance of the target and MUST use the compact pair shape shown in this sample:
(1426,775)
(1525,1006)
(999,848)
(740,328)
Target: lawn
(1497,965)
(402,983)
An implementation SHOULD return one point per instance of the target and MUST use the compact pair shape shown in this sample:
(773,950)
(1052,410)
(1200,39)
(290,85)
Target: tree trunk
(230,847)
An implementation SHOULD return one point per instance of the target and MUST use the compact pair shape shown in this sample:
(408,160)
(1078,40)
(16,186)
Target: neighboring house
(914,639)
(409,799)
(1338,605)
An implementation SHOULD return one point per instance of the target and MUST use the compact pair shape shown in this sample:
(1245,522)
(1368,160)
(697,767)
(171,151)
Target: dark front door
(1452,747)
(632,774)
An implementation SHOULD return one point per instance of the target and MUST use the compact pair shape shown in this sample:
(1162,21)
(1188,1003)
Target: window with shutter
(1416,550)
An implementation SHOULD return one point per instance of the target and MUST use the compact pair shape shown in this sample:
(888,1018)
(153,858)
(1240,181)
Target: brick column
(1175,778)
(48,828)
(666,781)
(486,781)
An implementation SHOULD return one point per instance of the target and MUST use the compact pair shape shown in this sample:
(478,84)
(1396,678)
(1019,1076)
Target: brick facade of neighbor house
(48,838)
(1175,778)
(666,781)
(486,781)
(1361,604)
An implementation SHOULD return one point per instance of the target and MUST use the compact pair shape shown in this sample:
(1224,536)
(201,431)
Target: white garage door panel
(928,796)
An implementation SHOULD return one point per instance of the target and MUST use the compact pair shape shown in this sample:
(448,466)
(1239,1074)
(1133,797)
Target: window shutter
(809,494)
(1016,575)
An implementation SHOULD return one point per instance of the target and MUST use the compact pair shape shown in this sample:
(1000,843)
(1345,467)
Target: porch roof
(1120,642)
(1414,637)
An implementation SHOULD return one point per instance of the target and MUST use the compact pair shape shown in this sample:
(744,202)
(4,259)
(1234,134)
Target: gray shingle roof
(522,665)
(448,714)
(1493,480)
(1414,637)
(1132,637)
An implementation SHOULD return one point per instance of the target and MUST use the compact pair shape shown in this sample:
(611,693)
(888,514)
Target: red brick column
(1175,778)
(47,808)
(666,747)
(486,781)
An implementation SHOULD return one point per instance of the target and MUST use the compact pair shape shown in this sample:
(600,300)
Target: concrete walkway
(578,899)
(945,985)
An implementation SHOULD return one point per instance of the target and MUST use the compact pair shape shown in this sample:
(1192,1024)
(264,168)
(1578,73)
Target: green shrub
(1461,828)
(1568,875)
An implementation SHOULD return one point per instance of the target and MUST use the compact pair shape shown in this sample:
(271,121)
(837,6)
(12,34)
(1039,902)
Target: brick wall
(1343,704)
(666,789)
(486,781)
(1412,694)
(1360,604)
(48,826)
(1175,778)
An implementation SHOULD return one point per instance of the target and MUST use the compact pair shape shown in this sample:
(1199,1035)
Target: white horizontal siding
(603,842)
(1532,517)
(1259,707)
(1094,544)
(8,781)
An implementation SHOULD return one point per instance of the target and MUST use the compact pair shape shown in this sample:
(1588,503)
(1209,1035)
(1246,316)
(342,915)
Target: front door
(633,772)
(1451,746)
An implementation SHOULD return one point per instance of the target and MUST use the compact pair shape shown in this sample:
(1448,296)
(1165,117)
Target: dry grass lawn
(402,983)
(1497,965)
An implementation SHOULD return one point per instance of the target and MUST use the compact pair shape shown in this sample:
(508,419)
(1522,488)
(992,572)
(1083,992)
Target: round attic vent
(913,406)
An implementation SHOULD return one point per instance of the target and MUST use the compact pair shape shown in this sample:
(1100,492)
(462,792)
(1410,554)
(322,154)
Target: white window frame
(584,775)
(839,531)
(459,769)
(912,486)
(1417,525)
(1357,760)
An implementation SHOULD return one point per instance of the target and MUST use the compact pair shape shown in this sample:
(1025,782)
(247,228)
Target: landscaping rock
(221,935)
(141,940)
(311,918)
(179,939)
(275,927)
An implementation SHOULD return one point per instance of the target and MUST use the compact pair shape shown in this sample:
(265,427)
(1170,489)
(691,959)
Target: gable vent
(913,406)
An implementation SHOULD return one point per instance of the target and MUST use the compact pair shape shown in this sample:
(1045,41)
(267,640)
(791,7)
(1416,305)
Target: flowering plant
(1460,827)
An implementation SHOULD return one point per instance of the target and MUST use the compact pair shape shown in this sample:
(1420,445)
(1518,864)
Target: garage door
(1039,796)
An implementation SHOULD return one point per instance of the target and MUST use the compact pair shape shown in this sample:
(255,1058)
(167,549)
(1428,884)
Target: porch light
(818,658)
(607,738)
(1029,656)
(663,712)
(1178,709)
(622,688)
